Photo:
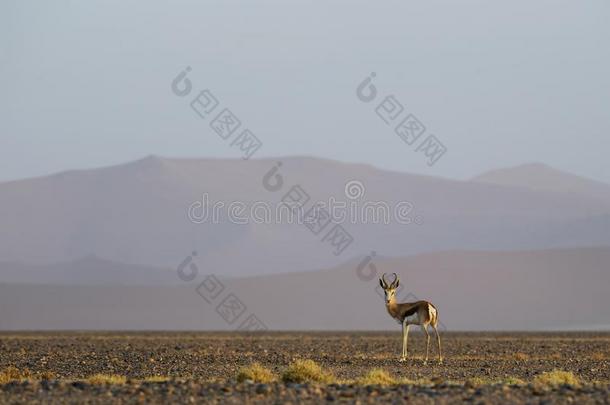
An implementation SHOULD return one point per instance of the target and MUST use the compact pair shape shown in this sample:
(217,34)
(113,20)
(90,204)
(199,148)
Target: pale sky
(87,84)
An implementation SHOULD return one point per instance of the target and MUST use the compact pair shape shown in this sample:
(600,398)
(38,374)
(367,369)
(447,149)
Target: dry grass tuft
(306,371)
(421,382)
(105,379)
(46,375)
(14,374)
(256,373)
(513,381)
(377,377)
(476,382)
(556,378)
(520,356)
(156,379)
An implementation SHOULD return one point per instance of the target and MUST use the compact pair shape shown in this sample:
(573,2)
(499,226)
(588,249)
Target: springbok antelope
(421,313)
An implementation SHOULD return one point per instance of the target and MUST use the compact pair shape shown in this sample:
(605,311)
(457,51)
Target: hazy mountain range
(527,290)
(518,248)
(537,176)
(137,213)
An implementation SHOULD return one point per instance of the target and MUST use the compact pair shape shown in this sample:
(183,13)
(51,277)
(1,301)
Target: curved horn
(384,280)
(395,279)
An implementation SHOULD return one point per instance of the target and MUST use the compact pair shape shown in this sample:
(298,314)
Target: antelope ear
(381,284)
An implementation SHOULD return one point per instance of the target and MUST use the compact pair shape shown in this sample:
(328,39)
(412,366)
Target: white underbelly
(412,319)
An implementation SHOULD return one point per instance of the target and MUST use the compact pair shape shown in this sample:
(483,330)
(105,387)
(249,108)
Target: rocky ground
(201,367)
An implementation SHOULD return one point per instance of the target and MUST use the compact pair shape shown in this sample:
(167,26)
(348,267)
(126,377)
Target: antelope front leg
(402,355)
(405,339)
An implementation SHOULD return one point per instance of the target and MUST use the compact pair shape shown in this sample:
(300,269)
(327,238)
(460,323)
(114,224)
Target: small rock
(79,384)
(263,389)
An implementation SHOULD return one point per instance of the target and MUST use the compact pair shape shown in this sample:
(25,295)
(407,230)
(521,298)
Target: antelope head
(389,289)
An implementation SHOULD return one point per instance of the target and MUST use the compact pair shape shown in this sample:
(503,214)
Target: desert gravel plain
(202,367)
